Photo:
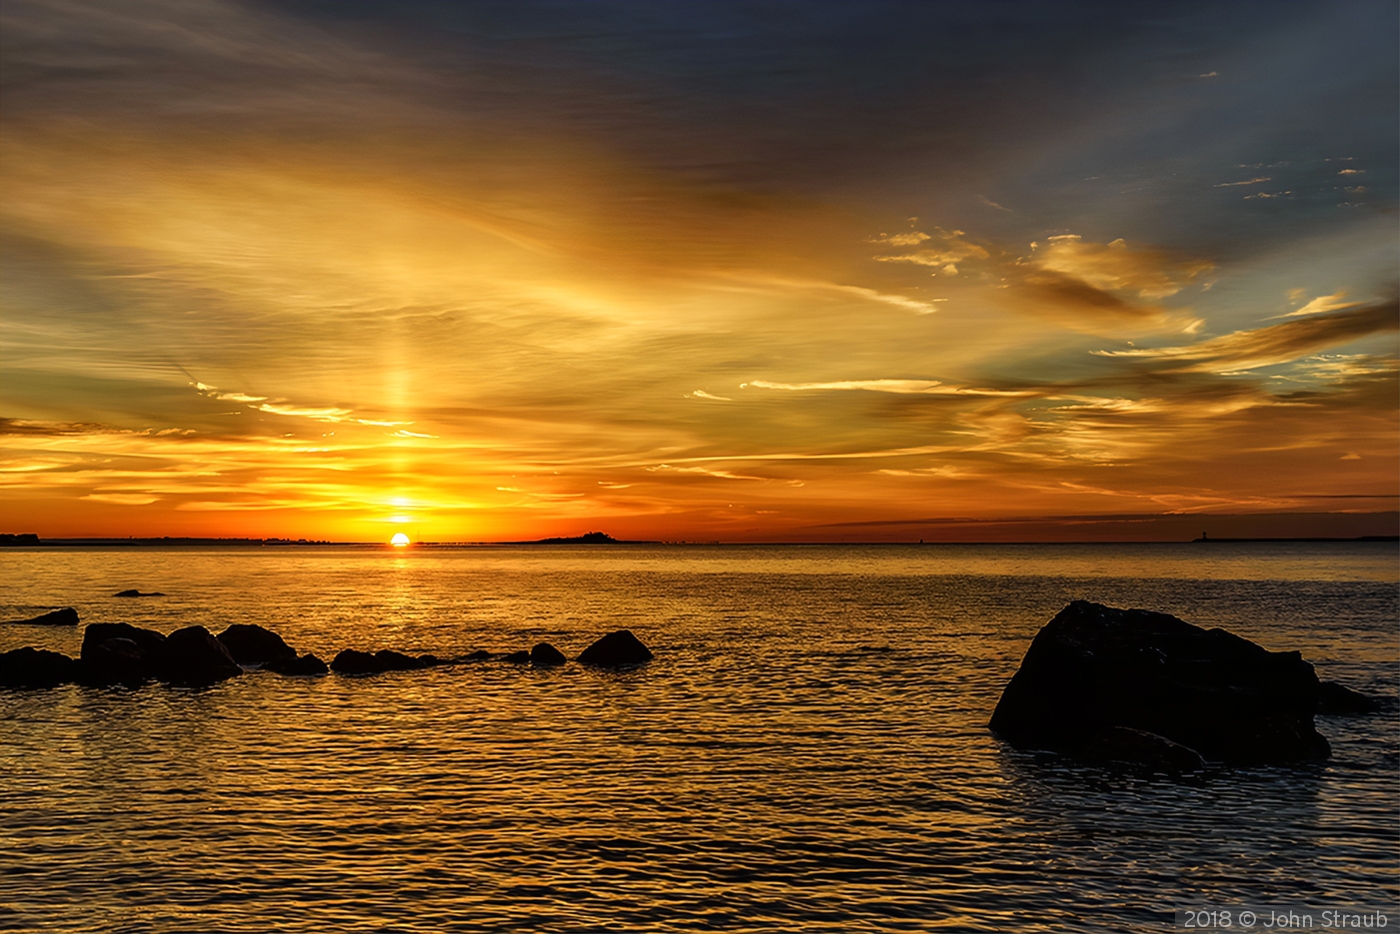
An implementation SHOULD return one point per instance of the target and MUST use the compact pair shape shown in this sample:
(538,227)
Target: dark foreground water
(808,752)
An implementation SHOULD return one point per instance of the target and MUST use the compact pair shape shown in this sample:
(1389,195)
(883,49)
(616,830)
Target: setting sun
(399,540)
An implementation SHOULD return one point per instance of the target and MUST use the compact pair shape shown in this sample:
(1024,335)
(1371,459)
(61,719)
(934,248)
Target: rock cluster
(1107,684)
(119,653)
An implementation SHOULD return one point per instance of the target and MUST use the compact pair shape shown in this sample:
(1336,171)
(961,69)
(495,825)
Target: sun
(399,540)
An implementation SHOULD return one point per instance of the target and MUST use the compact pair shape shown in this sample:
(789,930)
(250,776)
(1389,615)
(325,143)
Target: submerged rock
(250,644)
(64,617)
(545,655)
(516,658)
(1334,698)
(193,656)
(307,664)
(480,655)
(137,593)
(1094,669)
(618,649)
(36,668)
(352,662)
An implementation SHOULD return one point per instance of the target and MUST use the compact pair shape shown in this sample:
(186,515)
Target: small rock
(480,655)
(352,662)
(64,617)
(250,644)
(1334,698)
(36,668)
(137,593)
(307,664)
(193,656)
(618,649)
(545,655)
(516,658)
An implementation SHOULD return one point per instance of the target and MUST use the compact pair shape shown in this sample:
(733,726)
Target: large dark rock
(36,668)
(305,665)
(64,617)
(116,661)
(119,653)
(352,662)
(1334,698)
(1095,668)
(250,644)
(545,655)
(193,656)
(618,649)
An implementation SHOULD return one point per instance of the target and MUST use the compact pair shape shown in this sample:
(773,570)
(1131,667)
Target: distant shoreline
(27,541)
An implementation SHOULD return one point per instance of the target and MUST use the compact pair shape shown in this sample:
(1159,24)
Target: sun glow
(399,540)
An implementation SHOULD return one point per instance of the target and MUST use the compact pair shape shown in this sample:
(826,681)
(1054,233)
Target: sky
(760,271)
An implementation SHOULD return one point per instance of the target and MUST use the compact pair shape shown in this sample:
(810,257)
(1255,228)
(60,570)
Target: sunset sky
(759,271)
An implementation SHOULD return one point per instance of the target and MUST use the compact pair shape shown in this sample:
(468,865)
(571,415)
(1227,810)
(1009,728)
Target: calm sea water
(808,751)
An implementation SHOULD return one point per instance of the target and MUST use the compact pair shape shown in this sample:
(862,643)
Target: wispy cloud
(1272,345)
(1323,304)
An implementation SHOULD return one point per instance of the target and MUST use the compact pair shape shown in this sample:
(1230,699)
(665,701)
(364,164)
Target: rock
(119,653)
(64,617)
(616,650)
(250,644)
(36,668)
(545,655)
(480,655)
(1334,698)
(516,658)
(1094,668)
(1125,744)
(193,656)
(305,665)
(352,662)
(116,661)
(137,593)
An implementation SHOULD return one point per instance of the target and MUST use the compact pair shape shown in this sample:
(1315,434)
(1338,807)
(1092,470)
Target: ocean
(807,752)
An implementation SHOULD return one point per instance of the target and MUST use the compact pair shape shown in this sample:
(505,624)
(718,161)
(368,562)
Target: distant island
(587,538)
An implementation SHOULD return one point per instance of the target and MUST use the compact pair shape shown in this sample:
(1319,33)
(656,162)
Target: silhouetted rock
(305,665)
(1094,668)
(119,652)
(352,662)
(36,668)
(116,661)
(616,650)
(480,655)
(250,644)
(137,593)
(517,658)
(193,656)
(64,617)
(1334,698)
(545,655)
